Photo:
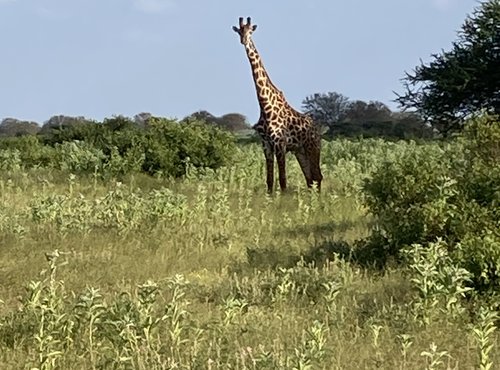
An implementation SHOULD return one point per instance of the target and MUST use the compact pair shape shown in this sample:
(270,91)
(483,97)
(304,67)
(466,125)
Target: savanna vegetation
(150,243)
(394,265)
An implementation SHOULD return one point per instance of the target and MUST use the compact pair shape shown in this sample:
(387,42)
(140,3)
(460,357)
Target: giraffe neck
(267,93)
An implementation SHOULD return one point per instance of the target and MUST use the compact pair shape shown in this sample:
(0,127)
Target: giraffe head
(245,30)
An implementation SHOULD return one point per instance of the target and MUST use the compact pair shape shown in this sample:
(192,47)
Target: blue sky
(98,58)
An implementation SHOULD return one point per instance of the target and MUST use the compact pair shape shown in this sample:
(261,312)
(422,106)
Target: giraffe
(281,128)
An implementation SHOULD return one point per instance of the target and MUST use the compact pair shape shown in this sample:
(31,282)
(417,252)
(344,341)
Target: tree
(410,125)
(233,122)
(61,122)
(201,115)
(327,109)
(356,118)
(119,123)
(142,119)
(15,127)
(372,119)
(461,82)
(374,111)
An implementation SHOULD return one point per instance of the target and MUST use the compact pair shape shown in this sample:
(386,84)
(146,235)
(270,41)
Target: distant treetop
(15,127)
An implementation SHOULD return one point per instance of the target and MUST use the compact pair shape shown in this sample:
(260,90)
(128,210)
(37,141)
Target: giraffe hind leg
(305,166)
(314,160)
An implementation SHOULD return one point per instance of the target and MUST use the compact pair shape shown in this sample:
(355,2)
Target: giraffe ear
(254,27)
(236,29)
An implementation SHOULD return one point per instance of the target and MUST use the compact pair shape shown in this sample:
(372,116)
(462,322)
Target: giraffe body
(281,128)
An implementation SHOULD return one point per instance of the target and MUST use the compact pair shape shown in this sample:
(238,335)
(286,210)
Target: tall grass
(209,272)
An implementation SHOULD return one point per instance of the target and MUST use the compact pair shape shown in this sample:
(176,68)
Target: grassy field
(209,272)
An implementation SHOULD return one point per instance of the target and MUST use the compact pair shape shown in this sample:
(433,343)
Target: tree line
(334,112)
(11,127)
(340,116)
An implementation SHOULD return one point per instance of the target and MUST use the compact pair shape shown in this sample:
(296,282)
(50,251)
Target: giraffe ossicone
(282,129)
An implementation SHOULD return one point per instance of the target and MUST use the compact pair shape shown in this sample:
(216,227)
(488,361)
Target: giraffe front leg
(269,154)
(280,157)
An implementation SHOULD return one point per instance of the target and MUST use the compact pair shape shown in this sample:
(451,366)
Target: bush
(10,160)
(452,194)
(32,152)
(173,147)
(406,192)
(118,146)
(79,157)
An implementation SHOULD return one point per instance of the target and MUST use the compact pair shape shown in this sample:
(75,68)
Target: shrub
(10,160)
(118,146)
(409,196)
(452,193)
(439,282)
(79,157)
(32,152)
(173,147)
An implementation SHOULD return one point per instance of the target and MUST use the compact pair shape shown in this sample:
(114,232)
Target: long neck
(267,92)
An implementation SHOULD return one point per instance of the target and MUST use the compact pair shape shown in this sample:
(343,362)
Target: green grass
(213,274)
